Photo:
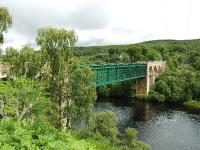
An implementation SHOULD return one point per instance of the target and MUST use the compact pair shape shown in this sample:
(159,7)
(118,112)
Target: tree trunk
(64,104)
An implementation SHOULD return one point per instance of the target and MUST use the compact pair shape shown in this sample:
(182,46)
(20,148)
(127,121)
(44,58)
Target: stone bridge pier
(154,69)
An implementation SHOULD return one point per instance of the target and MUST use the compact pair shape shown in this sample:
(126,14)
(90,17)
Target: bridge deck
(113,73)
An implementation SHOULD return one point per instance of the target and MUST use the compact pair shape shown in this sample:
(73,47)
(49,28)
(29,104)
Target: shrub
(22,135)
(104,123)
(156,97)
(130,141)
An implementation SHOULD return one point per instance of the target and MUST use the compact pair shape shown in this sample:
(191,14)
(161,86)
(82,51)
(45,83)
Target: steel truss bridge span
(113,73)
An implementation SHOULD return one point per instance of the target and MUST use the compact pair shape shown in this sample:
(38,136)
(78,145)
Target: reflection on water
(164,127)
(124,114)
(143,112)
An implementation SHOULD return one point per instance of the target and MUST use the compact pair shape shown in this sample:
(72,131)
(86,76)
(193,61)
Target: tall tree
(69,84)
(5,22)
(57,43)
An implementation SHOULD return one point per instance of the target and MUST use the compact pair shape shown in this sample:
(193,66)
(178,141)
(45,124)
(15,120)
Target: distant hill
(171,44)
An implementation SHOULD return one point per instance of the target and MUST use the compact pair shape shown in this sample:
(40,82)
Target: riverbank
(163,126)
(193,105)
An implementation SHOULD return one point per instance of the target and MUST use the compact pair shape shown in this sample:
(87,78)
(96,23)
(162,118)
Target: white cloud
(99,22)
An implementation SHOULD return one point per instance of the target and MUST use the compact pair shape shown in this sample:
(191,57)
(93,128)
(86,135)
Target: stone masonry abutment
(154,69)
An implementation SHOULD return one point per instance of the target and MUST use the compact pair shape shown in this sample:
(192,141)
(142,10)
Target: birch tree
(72,101)
(5,22)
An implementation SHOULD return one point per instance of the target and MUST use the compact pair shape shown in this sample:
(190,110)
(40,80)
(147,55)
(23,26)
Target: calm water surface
(164,127)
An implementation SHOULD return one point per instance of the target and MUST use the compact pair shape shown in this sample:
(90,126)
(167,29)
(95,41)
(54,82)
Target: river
(162,126)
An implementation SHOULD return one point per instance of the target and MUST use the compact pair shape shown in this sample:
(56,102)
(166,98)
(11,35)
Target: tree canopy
(71,87)
(5,21)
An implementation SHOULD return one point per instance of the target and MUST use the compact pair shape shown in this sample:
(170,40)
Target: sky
(103,22)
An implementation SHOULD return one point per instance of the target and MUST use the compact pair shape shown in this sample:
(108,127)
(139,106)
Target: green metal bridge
(113,73)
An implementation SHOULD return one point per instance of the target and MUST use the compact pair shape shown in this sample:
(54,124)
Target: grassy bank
(194,105)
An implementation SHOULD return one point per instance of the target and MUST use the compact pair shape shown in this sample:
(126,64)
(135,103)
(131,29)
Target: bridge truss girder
(113,73)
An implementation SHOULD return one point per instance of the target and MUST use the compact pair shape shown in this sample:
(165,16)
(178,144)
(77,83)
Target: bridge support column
(154,69)
(142,86)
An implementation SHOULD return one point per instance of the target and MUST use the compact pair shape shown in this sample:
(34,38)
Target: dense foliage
(25,62)
(102,128)
(5,22)
(28,117)
(22,99)
(47,95)
(181,80)
(22,135)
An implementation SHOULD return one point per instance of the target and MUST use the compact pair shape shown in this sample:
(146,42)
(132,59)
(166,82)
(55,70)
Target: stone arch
(155,69)
(155,73)
(159,70)
(151,75)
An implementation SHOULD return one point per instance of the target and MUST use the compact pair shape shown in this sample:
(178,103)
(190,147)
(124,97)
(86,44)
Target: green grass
(192,105)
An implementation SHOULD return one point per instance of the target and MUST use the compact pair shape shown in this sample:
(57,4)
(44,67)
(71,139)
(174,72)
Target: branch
(25,110)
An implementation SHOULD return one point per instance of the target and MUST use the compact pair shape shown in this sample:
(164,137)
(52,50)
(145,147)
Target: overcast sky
(100,22)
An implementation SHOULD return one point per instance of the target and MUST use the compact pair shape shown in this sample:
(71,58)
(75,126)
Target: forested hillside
(181,80)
